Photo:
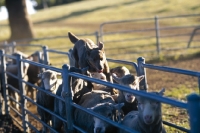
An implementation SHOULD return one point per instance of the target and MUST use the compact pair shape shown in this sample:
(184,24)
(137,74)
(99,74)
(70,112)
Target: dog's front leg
(109,78)
(106,71)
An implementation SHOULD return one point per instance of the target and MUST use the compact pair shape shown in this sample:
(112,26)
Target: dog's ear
(72,37)
(88,47)
(101,46)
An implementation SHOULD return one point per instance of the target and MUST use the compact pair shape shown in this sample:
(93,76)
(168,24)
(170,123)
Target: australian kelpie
(88,54)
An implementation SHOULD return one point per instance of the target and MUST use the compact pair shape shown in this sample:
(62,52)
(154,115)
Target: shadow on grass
(82,12)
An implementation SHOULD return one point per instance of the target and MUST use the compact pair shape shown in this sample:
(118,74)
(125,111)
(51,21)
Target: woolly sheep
(79,87)
(50,83)
(32,73)
(120,71)
(101,76)
(148,118)
(132,82)
(12,67)
(102,103)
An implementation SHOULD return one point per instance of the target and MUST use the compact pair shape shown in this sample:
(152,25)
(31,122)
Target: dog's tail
(72,37)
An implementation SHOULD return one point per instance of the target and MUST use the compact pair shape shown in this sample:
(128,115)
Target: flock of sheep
(139,113)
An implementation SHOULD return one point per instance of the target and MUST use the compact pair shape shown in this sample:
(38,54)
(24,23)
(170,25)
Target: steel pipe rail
(173,70)
(135,92)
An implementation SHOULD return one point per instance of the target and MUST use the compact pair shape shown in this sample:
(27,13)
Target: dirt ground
(156,81)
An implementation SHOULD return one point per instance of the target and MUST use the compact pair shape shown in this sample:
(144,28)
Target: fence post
(194,112)
(142,71)
(97,37)
(4,82)
(13,45)
(46,55)
(199,83)
(157,35)
(39,55)
(67,95)
(6,49)
(23,101)
(101,32)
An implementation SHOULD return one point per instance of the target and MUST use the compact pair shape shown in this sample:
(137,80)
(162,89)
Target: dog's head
(96,57)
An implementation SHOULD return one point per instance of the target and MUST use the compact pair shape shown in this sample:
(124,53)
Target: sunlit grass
(58,20)
(177,115)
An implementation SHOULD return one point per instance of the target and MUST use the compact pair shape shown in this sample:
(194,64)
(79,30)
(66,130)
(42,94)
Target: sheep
(79,87)
(120,71)
(50,82)
(132,82)
(148,118)
(101,76)
(102,103)
(32,73)
(12,67)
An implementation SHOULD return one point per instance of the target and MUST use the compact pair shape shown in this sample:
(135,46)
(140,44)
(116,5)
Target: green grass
(174,114)
(60,19)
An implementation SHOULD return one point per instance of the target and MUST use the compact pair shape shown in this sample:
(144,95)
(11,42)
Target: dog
(87,54)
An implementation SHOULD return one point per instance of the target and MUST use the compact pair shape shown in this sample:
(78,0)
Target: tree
(20,24)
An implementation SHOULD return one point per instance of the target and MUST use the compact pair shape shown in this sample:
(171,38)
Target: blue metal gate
(192,105)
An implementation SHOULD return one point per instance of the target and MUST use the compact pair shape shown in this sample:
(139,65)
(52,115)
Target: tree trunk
(44,3)
(20,24)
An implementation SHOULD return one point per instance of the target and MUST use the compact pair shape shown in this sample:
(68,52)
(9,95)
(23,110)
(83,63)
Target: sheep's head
(120,71)
(130,81)
(109,111)
(100,76)
(150,110)
(49,79)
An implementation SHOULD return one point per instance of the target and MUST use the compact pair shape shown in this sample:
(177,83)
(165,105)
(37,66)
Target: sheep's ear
(118,80)
(161,93)
(30,58)
(139,78)
(119,106)
(115,97)
(58,74)
(101,46)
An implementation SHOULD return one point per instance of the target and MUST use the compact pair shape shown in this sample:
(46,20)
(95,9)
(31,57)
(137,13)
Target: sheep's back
(130,120)
(46,101)
(89,100)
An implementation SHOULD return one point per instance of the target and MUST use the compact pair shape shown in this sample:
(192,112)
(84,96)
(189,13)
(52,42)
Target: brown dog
(88,54)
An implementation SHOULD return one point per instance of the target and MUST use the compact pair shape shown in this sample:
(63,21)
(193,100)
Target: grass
(59,20)
(86,16)
(174,114)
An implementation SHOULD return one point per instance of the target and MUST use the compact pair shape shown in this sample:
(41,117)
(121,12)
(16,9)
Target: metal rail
(193,100)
